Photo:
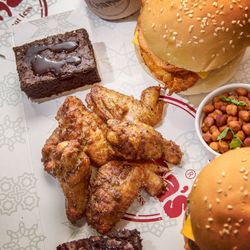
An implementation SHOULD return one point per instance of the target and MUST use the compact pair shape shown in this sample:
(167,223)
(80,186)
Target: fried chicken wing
(138,141)
(153,180)
(78,123)
(109,104)
(116,186)
(48,152)
(68,163)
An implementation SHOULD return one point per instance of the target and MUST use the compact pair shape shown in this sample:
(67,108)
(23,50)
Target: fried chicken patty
(176,79)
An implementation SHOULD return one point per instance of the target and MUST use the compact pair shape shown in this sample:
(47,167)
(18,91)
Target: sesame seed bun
(220,203)
(198,36)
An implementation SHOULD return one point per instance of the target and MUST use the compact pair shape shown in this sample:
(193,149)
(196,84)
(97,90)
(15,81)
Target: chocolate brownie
(56,64)
(118,240)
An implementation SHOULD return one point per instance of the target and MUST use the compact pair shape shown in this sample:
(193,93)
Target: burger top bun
(220,203)
(196,35)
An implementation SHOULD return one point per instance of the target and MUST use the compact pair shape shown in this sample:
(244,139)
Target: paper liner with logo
(159,220)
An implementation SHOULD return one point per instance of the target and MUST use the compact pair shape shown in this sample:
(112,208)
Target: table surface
(22,122)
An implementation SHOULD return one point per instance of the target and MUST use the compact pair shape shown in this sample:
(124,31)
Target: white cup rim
(199,112)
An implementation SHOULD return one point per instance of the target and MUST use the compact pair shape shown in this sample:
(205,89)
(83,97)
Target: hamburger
(193,46)
(219,205)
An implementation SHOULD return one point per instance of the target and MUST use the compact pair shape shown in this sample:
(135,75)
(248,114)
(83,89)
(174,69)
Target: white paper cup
(200,115)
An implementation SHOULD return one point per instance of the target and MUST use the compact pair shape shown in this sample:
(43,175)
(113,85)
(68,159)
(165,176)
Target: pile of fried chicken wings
(115,134)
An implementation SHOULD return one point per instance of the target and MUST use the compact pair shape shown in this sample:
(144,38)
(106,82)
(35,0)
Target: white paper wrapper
(31,202)
(159,221)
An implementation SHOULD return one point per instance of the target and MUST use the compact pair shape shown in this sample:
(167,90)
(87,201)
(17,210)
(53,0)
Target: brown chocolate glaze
(41,65)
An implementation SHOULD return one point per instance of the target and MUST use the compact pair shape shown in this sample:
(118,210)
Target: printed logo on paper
(20,9)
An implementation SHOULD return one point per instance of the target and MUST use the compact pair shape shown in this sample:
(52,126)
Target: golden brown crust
(67,162)
(109,104)
(153,178)
(116,186)
(78,123)
(220,203)
(138,141)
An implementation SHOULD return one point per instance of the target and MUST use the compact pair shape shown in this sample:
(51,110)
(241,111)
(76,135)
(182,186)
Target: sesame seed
(210,206)
(217,200)
(241,220)
(236,231)
(245,177)
(207,227)
(223,174)
(219,190)
(229,219)
(248,229)
(246,193)
(242,170)
(164,36)
(219,181)
(229,207)
(246,172)
(210,219)
(237,224)
(230,187)
(241,188)
(225,225)
(190,28)
(244,159)
(205,198)
(235,248)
